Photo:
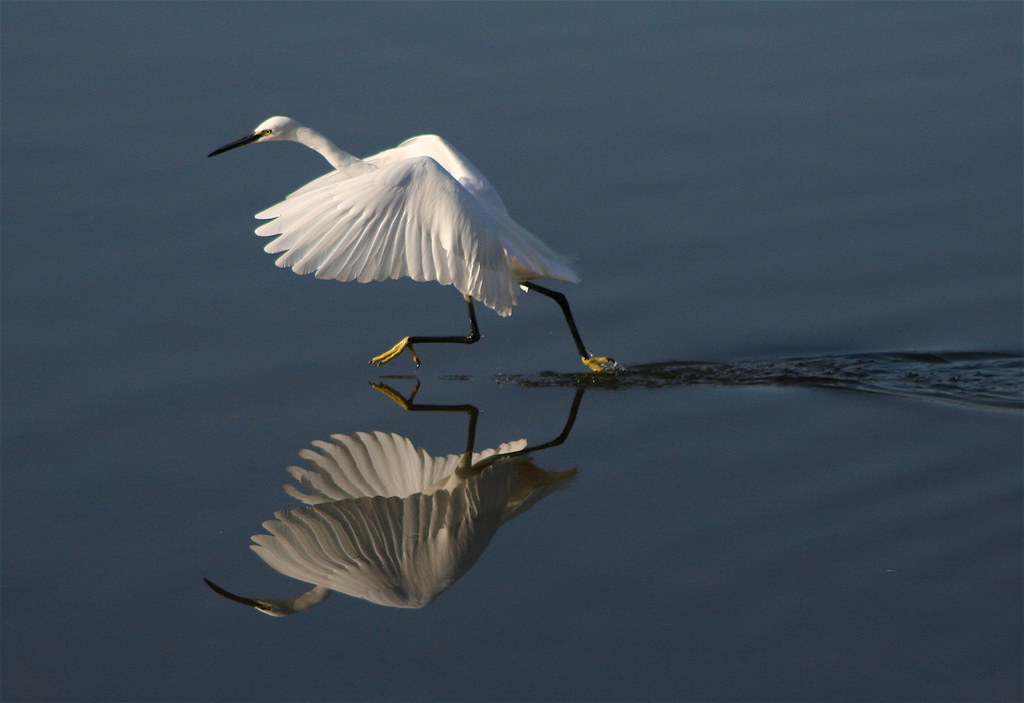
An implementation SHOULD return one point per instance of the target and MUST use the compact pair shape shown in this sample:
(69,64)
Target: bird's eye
(263,133)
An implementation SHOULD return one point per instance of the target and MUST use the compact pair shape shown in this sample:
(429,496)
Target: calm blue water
(799,225)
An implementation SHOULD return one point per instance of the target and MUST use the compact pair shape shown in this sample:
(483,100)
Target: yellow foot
(394,351)
(395,395)
(601,364)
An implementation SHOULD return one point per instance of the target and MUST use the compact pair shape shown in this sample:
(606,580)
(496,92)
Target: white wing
(451,160)
(400,552)
(409,218)
(376,464)
(528,256)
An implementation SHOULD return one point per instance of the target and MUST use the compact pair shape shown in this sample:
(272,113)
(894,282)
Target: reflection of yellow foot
(601,364)
(395,395)
(394,351)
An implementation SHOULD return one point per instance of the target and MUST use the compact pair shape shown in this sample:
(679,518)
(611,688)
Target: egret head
(273,129)
(277,608)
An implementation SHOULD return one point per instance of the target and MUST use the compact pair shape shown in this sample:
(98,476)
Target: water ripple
(985,379)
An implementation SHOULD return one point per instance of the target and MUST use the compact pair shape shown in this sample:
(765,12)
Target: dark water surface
(799,227)
(985,380)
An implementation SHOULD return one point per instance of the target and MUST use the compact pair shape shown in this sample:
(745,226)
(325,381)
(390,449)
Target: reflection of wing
(376,464)
(399,552)
(387,522)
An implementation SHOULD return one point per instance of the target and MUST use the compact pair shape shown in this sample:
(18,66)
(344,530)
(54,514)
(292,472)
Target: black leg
(465,470)
(594,363)
(408,404)
(563,303)
(473,336)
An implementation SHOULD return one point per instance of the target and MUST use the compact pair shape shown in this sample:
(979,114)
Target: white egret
(387,522)
(420,210)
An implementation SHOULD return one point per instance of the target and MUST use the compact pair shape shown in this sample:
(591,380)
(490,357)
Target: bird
(419,210)
(385,521)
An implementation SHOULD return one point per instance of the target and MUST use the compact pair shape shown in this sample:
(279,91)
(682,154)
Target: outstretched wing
(451,160)
(408,218)
(528,256)
(399,552)
(369,464)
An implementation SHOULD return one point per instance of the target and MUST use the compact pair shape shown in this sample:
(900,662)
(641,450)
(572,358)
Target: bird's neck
(311,597)
(339,159)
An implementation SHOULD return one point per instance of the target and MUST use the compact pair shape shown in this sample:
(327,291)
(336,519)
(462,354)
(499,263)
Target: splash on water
(984,379)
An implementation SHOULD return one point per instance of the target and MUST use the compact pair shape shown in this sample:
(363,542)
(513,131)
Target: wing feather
(450,158)
(409,218)
(400,552)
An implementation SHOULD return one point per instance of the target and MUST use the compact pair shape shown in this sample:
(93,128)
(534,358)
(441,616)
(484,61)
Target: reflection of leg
(407,404)
(564,435)
(594,363)
(473,336)
(530,477)
(569,422)
(474,414)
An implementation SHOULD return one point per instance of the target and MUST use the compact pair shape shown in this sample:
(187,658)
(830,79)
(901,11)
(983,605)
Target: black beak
(248,139)
(227,594)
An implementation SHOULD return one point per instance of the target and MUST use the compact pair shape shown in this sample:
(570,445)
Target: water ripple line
(983,379)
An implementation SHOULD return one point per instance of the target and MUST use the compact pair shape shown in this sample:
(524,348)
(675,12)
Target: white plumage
(409,218)
(370,464)
(385,521)
(420,210)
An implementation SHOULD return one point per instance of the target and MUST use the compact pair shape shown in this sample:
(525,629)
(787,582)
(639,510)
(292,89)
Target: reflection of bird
(389,523)
(420,210)
(278,608)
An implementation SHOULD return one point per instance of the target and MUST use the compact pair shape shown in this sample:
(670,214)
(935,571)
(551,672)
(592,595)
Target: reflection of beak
(277,608)
(248,139)
(238,599)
